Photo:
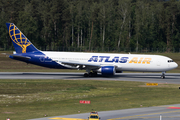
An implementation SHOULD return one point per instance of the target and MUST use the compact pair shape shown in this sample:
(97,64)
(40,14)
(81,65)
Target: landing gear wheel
(94,74)
(163,75)
(90,74)
(86,75)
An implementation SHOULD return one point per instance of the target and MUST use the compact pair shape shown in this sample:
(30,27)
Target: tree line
(90,24)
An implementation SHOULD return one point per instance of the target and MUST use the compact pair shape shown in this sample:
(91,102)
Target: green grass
(26,99)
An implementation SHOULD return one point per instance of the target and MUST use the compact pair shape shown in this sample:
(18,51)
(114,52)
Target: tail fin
(20,42)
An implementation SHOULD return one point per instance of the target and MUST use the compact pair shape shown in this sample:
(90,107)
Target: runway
(173,78)
(147,113)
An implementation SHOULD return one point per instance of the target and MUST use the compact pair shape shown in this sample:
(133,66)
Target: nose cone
(174,65)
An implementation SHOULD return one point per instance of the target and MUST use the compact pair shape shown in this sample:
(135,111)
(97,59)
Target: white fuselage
(123,62)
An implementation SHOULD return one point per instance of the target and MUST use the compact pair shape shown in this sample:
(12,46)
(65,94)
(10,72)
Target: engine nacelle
(107,70)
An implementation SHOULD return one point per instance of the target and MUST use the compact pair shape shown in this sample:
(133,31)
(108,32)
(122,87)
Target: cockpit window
(170,61)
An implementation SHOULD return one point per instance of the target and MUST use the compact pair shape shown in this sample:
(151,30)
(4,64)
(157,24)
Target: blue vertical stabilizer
(20,42)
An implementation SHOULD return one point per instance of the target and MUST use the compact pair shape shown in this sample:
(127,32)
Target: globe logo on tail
(18,37)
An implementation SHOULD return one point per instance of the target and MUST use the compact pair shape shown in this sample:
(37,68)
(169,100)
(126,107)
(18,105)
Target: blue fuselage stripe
(38,58)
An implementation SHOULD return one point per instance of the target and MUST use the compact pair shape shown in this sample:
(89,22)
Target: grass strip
(27,99)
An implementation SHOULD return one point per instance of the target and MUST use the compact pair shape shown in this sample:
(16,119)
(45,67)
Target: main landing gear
(163,75)
(90,74)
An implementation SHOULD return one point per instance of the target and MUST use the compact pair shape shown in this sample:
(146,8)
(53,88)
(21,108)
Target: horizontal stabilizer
(20,57)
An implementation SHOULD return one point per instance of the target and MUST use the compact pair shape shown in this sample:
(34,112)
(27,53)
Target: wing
(78,64)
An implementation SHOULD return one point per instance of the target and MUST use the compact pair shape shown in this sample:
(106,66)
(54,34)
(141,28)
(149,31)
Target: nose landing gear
(163,75)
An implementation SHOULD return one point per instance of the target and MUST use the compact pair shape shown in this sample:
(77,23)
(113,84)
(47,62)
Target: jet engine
(107,70)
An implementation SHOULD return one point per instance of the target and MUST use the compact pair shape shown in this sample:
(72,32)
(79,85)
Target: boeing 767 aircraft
(93,63)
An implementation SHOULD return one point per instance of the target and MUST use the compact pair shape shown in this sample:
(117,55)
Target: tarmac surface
(173,78)
(166,112)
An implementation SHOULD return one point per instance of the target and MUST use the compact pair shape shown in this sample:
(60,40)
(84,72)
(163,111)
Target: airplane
(105,63)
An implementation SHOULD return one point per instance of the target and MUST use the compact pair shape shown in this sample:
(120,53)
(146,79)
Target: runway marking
(173,107)
(58,118)
(137,116)
(159,117)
